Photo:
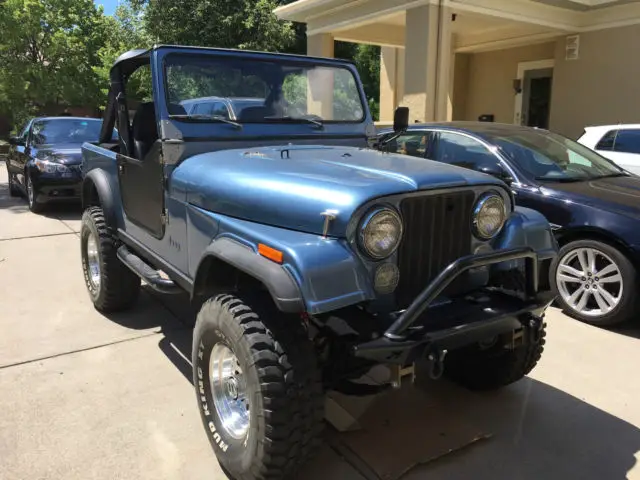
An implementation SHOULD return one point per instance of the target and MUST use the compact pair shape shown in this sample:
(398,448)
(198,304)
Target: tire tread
(121,286)
(289,380)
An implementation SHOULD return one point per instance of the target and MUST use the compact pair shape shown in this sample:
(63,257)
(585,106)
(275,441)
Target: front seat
(145,129)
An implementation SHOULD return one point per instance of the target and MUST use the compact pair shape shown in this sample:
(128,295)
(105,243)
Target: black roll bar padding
(455,269)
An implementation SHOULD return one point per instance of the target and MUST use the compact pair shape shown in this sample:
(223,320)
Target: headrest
(144,122)
(254,114)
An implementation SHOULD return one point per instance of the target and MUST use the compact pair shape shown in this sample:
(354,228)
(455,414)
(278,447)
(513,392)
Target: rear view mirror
(401,119)
(16,141)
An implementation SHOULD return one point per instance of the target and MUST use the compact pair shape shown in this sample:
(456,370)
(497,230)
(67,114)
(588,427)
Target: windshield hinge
(164,218)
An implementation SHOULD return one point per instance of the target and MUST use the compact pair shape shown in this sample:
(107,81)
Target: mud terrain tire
(111,286)
(277,374)
(478,368)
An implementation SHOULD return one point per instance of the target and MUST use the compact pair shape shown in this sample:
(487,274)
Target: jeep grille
(437,231)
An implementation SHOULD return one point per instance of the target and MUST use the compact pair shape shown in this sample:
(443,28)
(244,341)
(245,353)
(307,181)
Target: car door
(141,172)
(463,150)
(416,143)
(19,154)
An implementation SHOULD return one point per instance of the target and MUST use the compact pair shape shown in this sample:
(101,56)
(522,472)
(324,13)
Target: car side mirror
(401,119)
(16,141)
(498,172)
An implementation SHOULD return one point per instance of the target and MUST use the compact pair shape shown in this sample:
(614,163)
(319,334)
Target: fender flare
(280,283)
(100,181)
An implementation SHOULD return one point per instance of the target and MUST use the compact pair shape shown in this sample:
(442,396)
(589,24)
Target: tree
(244,24)
(124,31)
(47,50)
(367,61)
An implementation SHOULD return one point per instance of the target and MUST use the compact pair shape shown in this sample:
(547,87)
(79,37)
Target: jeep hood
(291,186)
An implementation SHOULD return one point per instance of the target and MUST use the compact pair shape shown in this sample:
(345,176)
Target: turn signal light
(270,253)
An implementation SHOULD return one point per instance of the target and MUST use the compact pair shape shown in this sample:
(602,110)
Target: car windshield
(66,130)
(278,91)
(552,157)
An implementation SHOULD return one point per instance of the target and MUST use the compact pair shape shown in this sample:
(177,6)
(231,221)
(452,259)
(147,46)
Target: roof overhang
(304,10)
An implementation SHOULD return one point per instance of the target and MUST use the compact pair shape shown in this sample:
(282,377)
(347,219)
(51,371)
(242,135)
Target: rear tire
(13,190)
(111,285)
(273,389)
(478,368)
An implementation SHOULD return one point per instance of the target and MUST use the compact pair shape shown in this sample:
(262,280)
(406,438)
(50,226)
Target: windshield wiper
(612,175)
(198,117)
(562,179)
(288,118)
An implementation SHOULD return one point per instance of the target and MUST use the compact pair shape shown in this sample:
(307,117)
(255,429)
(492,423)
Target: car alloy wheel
(93,261)
(229,391)
(30,193)
(589,281)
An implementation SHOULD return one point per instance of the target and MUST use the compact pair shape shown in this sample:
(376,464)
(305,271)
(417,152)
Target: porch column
(427,63)
(320,81)
(388,83)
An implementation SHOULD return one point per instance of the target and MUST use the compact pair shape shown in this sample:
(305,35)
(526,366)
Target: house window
(606,142)
(627,141)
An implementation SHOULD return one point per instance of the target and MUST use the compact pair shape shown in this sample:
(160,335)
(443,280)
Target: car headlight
(47,166)
(489,216)
(380,233)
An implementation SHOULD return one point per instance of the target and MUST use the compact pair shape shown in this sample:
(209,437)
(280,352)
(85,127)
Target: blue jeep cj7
(315,258)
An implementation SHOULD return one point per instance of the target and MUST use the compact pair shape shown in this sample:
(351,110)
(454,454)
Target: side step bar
(146,272)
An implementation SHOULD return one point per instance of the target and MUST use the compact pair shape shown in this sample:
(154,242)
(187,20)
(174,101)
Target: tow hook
(535,328)
(435,360)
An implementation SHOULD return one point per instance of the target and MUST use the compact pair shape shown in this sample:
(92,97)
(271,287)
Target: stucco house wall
(602,86)
(490,80)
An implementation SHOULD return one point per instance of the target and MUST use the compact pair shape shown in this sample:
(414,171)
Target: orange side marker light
(270,253)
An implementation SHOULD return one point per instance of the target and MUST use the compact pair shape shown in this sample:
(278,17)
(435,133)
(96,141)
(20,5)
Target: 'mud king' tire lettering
(258,386)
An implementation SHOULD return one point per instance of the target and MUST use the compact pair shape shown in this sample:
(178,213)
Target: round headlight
(380,233)
(489,216)
(386,278)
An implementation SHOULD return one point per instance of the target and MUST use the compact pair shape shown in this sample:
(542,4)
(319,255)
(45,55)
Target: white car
(619,143)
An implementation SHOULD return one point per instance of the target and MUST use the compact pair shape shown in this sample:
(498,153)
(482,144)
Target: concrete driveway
(83,396)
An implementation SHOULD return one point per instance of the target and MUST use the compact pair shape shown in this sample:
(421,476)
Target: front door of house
(536,100)
(533,97)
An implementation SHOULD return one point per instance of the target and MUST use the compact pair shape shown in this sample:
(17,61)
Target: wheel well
(215,275)
(90,195)
(599,236)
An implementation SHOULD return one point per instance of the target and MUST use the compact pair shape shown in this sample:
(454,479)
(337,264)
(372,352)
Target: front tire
(111,285)
(481,368)
(596,283)
(258,387)
(32,195)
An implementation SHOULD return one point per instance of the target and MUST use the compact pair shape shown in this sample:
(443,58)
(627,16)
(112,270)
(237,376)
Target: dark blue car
(592,204)
(44,161)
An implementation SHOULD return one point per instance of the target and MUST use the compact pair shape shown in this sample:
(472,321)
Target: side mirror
(498,172)
(16,141)
(401,119)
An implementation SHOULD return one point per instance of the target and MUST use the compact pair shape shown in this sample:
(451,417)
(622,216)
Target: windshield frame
(298,61)
(569,144)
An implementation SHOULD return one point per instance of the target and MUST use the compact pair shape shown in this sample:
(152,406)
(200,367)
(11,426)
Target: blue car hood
(617,194)
(67,154)
(291,186)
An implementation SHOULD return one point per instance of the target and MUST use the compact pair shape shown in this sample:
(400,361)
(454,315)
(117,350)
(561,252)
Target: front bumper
(478,316)
(56,188)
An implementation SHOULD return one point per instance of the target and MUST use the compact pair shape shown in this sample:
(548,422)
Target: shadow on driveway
(538,431)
